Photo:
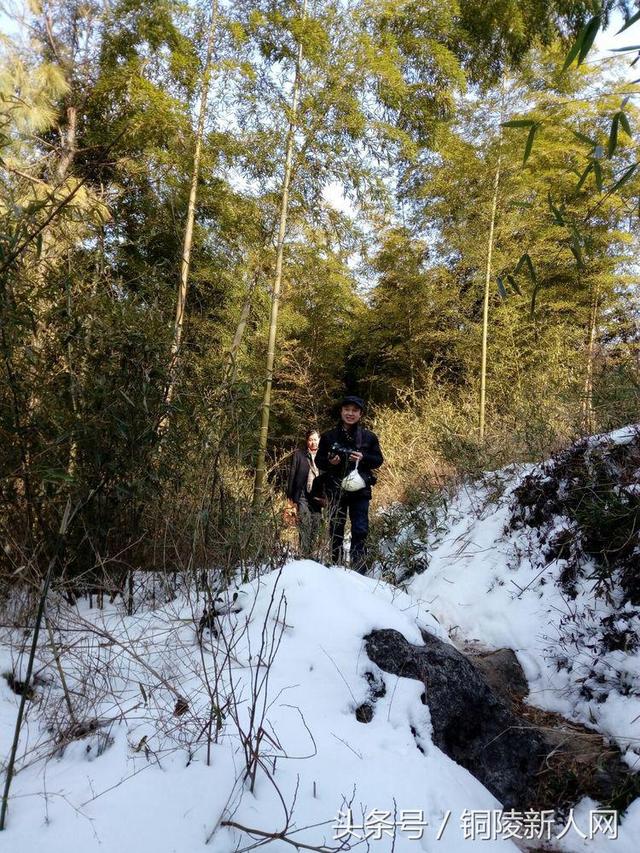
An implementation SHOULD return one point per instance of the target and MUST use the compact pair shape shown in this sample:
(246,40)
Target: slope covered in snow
(545,560)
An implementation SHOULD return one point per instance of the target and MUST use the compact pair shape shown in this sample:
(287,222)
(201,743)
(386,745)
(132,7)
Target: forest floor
(166,731)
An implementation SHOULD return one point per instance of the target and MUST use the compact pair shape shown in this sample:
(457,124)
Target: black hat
(356,401)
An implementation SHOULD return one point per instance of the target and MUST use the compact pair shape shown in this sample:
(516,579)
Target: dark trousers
(356,506)
(309,523)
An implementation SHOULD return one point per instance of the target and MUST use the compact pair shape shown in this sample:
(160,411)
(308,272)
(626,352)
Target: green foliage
(583,42)
(425,313)
(97,115)
(496,35)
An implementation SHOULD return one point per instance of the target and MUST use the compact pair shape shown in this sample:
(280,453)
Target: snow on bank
(493,583)
(139,779)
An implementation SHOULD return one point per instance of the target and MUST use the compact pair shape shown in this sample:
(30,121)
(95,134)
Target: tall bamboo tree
(487,288)
(185,260)
(277,281)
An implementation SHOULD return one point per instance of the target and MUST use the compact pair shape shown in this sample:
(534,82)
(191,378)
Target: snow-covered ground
(141,781)
(182,740)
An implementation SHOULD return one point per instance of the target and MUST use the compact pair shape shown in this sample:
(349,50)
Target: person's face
(313,441)
(350,414)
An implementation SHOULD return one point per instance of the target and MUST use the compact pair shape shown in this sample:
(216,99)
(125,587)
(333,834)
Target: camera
(340,450)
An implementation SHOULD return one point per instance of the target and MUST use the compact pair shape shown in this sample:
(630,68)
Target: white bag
(353,482)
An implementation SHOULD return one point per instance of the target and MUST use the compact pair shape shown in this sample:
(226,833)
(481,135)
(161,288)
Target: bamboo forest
(215,212)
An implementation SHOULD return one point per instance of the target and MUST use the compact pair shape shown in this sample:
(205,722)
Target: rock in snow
(471,724)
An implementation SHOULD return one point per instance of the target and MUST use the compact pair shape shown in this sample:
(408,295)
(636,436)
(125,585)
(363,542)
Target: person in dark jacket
(302,496)
(359,447)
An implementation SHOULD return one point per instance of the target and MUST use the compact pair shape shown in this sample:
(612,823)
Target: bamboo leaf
(591,31)
(514,284)
(584,176)
(629,22)
(518,122)
(584,138)
(525,261)
(626,49)
(53,476)
(625,177)
(597,171)
(583,42)
(624,121)
(501,288)
(575,50)
(533,298)
(613,136)
(520,264)
(529,145)
(555,211)
(532,272)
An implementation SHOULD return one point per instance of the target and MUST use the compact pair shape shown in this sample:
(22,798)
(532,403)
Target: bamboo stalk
(185,261)
(275,295)
(487,289)
(587,404)
(231,366)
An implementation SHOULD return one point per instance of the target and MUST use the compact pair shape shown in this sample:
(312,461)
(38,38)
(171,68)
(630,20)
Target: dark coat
(298,475)
(359,438)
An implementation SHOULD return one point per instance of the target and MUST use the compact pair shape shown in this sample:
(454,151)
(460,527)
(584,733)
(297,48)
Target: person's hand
(334,460)
(356,456)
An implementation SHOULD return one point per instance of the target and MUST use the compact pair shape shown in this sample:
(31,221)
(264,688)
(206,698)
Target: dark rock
(471,724)
(502,672)
(527,757)
(364,713)
(578,762)
(377,689)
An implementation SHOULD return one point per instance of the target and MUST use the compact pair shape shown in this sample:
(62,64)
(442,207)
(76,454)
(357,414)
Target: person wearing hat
(348,454)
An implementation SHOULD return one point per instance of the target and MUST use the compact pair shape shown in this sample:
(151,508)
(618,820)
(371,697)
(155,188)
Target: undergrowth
(401,533)
(585,505)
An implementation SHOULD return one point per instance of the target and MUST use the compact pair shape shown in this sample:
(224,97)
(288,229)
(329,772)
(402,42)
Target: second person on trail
(342,450)
(301,494)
